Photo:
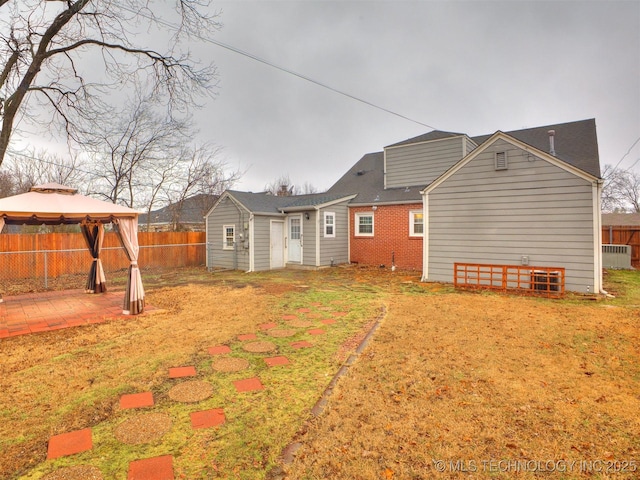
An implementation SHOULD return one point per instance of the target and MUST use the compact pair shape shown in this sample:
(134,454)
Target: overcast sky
(471,67)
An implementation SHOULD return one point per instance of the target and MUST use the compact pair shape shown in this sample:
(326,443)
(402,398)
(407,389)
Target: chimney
(552,146)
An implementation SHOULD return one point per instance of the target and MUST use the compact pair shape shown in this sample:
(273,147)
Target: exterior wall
(336,248)
(534,209)
(390,234)
(262,241)
(227,213)
(421,163)
(309,238)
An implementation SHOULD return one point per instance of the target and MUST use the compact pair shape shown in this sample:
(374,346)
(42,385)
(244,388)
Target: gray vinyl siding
(262,241)
(227,213)
(335,247)
(470,145)
(481,215)
(309,238)
(421,163)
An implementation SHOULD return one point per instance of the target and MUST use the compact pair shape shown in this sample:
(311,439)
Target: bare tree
(49,50)
(284,187)
(137,151)
(32,168)
(203,175)
(621,190)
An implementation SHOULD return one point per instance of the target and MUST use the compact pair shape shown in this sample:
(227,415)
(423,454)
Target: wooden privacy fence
(55,254)
(546,281)
(624,235)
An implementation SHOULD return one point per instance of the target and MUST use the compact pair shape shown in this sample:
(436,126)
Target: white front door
(294,247)
(276,244)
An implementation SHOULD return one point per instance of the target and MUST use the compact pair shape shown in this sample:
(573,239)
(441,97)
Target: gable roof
(366,179)
(266,203)
(576,143)
(427,137)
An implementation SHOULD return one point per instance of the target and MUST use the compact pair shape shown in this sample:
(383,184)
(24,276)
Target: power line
(628,152)
(278,67)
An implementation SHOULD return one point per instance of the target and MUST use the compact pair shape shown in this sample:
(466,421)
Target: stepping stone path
(69,443)
(274,361)
(156,468)
(219,350)
(191,391)
(180,372)
(147,427)
(136,400)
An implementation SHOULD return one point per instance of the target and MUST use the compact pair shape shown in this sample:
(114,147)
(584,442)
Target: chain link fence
(36,270)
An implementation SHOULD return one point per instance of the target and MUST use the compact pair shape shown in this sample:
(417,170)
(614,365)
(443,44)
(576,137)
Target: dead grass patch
(473,378)
(80,472)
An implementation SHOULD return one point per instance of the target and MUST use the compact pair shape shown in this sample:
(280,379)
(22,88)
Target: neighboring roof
(576,143)
(620,219)
(55,204)
(193,210)
(366,178)
(427,137)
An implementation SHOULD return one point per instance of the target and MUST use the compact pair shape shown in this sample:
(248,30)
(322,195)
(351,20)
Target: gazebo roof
(52,203)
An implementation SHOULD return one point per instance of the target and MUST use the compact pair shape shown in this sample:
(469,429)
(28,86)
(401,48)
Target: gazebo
(55,204)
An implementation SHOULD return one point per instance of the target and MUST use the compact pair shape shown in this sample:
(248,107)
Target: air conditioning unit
(616,256)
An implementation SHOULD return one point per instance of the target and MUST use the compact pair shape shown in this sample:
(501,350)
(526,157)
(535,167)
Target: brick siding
(391,234)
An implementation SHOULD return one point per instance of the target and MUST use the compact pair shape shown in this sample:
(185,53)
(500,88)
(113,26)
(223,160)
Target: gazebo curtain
(127,229)
(93,234)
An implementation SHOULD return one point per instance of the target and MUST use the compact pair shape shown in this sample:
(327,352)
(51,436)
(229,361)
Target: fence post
(46,277)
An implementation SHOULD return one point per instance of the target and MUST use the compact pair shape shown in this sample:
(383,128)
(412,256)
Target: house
(525,197)
(186,215)
(260,231)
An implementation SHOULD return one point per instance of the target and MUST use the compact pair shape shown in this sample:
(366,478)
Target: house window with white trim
(228,237)
(329,224)
(416,223)
(364,224)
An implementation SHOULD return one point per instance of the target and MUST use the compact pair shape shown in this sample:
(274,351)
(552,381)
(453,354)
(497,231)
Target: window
(228,237)
(329,224)
(501,161)
(416,223)
(364,224)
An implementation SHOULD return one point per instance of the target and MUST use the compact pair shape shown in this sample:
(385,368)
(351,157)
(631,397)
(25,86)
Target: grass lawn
(451,381)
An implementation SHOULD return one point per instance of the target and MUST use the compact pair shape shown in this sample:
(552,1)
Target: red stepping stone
(316,331)
(207,418)
(339,314)
(274,361)
(248,385)
(328,321)
(179,372)
(219,350)
(289,317)
(247,336)
(136,400)
(156,468)
(267,326)
(316,304)
(301,344)
(303,310)
(69,443)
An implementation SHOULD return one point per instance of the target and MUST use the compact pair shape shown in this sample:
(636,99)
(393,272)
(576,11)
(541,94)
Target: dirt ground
(452,385)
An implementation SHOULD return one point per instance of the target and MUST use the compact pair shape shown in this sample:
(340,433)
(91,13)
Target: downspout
(251,244)
(596,191)
(425,236)
(318,236)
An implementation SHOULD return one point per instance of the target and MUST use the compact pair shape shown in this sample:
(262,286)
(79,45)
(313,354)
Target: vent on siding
(501,161)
